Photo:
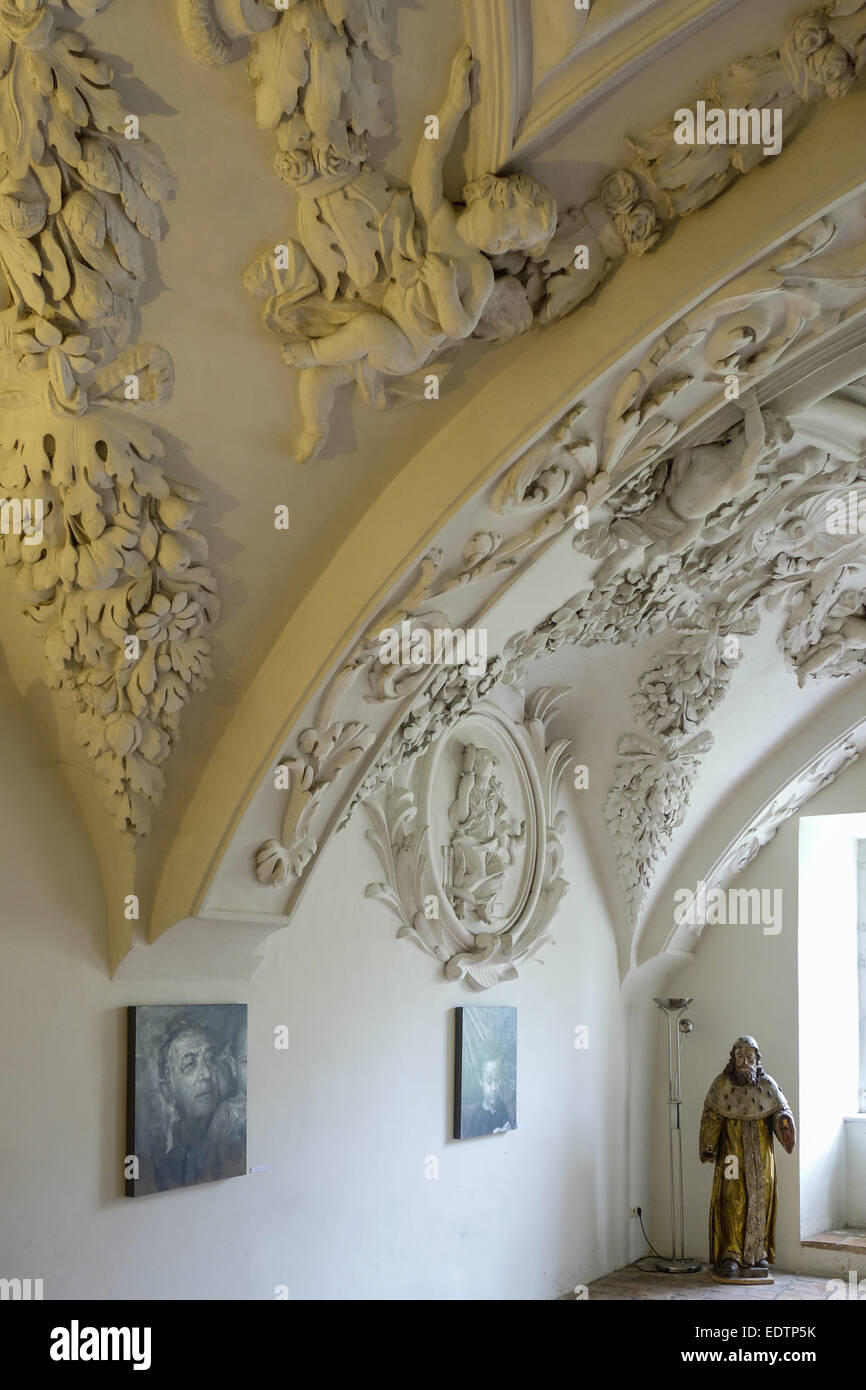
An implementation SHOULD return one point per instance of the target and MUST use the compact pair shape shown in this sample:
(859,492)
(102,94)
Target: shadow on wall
(41,825)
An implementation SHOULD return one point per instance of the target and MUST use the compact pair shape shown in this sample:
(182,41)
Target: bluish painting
(187,1095)
(485,1083)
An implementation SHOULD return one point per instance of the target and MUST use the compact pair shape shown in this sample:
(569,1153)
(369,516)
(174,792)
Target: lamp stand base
(678,1266)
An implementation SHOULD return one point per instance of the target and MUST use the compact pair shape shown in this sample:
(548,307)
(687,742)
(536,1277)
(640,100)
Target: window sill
(851,1238)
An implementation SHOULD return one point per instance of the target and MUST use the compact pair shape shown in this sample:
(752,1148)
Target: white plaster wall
(345,1119)
(744,981)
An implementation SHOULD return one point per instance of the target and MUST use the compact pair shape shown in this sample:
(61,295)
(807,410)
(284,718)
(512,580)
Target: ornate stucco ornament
(767,544)
(470,843)
(365,291)
(695,566)
(115,580)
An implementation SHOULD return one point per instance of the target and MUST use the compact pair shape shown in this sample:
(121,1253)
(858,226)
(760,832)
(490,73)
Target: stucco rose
(295,167)
(331,164)
(26,22)
(639,228)
(833,69)
(620,191)
(809,33)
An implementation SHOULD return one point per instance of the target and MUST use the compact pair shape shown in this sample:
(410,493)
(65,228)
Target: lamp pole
(678,1028)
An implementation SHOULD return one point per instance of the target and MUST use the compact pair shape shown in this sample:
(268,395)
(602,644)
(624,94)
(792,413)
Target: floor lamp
(678,1028)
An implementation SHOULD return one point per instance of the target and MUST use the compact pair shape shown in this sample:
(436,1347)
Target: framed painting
(485,1062)
(186,1120)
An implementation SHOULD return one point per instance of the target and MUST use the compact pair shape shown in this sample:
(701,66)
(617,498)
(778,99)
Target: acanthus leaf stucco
(114,579)
(367,291)
(665,562)
(458,924)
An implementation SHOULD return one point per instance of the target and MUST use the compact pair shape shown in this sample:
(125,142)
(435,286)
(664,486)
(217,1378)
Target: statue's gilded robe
(739,1122)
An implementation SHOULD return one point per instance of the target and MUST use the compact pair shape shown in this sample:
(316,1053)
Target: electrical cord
(637,1263)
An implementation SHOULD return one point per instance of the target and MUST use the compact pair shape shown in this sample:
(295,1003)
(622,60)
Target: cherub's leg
(370,334)
(611,567)
(318,388)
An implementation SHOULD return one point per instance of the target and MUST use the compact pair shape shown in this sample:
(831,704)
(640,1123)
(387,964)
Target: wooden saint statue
(743,1112)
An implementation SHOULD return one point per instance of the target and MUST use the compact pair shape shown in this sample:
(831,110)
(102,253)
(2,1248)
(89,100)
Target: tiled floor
(631,1283)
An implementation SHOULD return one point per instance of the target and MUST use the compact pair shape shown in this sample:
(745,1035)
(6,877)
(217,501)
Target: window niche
(832,1030)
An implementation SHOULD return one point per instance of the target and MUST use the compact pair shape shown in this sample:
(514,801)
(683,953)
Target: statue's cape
(735,1102)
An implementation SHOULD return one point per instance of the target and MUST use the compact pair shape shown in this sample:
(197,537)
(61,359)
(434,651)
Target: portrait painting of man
(187,1095)
(485,1085)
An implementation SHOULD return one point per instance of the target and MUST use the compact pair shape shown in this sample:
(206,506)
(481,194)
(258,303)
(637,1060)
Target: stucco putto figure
(744,1112)
(419,273)
(700,479)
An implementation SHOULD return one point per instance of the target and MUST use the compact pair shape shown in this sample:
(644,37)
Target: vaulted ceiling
(567,488)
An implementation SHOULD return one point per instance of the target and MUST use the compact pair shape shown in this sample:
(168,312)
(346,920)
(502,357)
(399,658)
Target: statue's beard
(745,1076)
